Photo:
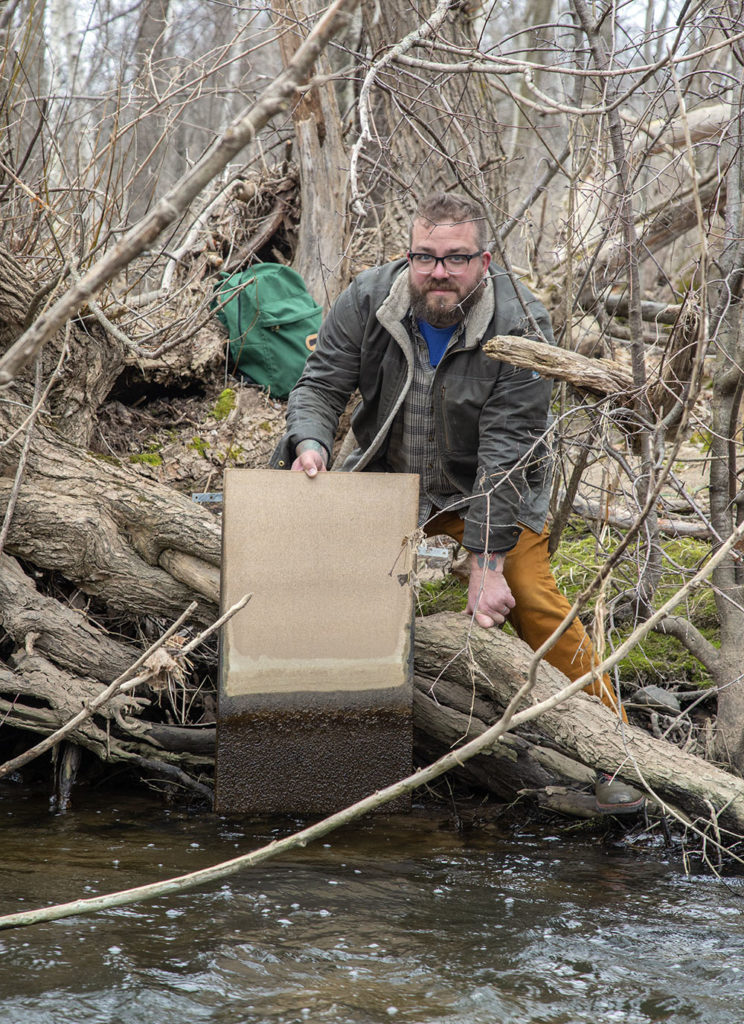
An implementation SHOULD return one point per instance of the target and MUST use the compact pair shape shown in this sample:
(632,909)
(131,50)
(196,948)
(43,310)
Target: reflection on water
(393,919)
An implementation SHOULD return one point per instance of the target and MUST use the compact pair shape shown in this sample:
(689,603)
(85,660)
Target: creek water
(395,918)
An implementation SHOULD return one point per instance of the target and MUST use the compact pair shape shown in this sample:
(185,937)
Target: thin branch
(692,639)
(120,684)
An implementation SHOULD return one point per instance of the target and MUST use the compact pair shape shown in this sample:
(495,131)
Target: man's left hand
(489,596)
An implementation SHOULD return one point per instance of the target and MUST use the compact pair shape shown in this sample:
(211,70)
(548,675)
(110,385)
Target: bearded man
(408,335)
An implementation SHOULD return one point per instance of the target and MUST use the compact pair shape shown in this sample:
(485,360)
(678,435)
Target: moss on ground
(657,659)
(446,595)
(198,444)
(150,456)
(224,405)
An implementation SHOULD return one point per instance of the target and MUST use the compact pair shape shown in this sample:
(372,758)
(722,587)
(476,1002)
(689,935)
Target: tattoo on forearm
(311,446)
(492,560)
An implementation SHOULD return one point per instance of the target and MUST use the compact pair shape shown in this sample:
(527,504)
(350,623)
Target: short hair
(452,208)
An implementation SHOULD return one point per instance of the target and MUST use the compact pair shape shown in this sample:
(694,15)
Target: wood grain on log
(63,634)
(105,528)
(197,574)
(599,376)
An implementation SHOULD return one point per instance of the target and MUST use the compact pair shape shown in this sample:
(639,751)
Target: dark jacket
(490,417)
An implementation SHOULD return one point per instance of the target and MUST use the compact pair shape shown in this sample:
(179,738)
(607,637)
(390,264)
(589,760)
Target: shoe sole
(622,808)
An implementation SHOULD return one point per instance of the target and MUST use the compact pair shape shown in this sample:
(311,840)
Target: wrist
(493,560)
(309,445)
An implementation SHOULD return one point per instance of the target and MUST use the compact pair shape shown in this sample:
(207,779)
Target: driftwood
(606,377)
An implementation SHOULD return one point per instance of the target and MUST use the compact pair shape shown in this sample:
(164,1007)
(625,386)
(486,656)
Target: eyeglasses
(455,263)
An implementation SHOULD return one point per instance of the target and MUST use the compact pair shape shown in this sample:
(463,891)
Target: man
(408,335)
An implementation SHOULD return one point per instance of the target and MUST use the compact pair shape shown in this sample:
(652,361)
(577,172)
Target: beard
(443,310)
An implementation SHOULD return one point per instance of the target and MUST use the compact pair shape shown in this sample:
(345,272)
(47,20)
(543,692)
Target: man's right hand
(489,598)
(311,458)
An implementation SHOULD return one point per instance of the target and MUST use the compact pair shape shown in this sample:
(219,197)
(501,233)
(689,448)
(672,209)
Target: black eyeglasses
(455,263)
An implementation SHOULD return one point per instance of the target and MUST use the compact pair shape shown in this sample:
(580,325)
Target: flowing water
(395,918)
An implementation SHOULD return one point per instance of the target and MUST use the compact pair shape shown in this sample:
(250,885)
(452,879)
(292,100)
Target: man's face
(438,296)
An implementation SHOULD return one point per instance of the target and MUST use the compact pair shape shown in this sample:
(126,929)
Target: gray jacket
(490,417)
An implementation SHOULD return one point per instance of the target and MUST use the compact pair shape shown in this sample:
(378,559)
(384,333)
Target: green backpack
(272,321)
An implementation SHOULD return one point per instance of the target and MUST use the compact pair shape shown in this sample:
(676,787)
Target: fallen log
(516,766)
(63,634)
(598,376)
(605,377)
(624,520)
(489,668)
(653,312)
(112,533)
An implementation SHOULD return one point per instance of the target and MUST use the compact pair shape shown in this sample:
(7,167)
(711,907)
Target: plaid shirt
(413,446)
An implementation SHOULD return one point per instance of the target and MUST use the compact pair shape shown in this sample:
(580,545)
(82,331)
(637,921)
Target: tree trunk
(728,388)
(321,254)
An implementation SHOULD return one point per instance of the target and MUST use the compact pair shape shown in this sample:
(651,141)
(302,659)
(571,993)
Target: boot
(613,796)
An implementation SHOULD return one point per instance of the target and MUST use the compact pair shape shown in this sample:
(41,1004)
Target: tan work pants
(540,606)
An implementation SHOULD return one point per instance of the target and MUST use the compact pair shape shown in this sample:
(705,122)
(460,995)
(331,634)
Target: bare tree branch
(175,202)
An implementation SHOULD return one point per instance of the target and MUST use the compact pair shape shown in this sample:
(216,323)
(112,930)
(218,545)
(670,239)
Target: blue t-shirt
(436,338)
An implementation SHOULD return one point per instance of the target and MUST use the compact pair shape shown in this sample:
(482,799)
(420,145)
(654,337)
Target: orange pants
(540,606)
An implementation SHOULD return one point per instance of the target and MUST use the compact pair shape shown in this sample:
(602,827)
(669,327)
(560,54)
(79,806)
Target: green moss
(224,405)
(234,453)
(150,456)
(657,658)
(147,458)
(702,438)
(198,444)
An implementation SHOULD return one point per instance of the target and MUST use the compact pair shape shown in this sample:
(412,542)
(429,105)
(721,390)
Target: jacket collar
(393,314)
